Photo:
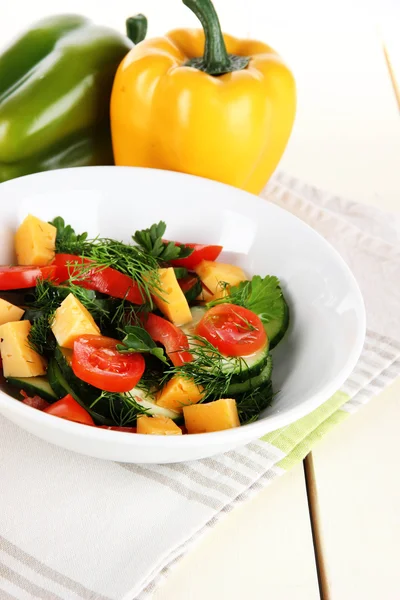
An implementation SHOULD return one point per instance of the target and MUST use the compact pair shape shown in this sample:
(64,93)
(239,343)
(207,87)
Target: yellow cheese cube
(213,416)
(157,426)
(179,392)
(72,320)
(170,299)
(213,274)
(35,242)
(9,312)
(19,360)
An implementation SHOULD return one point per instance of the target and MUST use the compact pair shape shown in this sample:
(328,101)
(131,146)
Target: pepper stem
(136,28)
(216,60)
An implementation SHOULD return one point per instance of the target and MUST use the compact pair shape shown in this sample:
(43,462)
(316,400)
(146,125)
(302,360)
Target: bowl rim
(243,433)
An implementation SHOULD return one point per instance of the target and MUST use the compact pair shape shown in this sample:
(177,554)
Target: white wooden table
(346,140)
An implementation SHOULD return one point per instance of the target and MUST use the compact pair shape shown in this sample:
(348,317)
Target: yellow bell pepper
(225,114)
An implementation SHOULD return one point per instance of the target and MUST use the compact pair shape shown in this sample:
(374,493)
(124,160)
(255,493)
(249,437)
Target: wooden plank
(357,498)
(263,549)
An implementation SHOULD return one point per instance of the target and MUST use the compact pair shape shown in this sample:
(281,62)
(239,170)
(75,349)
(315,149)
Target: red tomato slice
(107,281)
(234,330)
(96,360)
(65,266)
(15,278)
(124,429)
(200,252)
(170,336)
(34,401)
(68,408)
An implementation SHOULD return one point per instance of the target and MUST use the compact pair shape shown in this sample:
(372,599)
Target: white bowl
(327,325)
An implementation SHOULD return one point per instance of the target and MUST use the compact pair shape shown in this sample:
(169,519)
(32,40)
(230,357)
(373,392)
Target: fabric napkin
(79,528)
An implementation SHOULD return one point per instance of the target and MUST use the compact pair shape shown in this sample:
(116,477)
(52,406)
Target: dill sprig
(139,266)
(40,337)
(47,297)
(250,404)
(209,369)
(123,408)
(137,262)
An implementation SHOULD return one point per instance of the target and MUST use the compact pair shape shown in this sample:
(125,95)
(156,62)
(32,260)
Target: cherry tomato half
(234,330)
(170,336)
(107,281)
(15,278)
(69,409)
(96,360)
(200,252)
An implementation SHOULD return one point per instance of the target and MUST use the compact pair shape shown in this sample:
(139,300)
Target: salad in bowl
(153,336)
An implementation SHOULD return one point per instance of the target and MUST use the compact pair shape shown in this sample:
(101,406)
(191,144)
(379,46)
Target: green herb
(209,369)
(67,241)
(260,295)
(141,267)
(134,261)
(125,414)
(138,340)
(40,337)
(252,403)
(48,297)
(152,243)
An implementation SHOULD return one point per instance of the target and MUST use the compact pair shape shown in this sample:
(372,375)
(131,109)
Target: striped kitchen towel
(69,526)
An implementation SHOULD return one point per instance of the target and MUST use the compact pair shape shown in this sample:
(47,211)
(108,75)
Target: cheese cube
(170,299)
(212,274)
(19,360)
(35,242)
(213,416)
(179,392)
(9,312)
(72,320)
(157,426)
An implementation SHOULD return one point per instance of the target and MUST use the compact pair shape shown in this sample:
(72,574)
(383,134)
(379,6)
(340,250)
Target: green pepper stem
(136,28)
(215,57)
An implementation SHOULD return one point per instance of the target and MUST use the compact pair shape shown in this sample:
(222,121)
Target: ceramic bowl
(327,324)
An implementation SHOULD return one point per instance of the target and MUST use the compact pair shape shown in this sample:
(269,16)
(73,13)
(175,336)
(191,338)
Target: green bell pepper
(55,88)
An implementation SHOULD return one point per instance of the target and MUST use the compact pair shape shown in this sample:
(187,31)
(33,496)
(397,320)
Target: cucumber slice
(147,400)
(250,366)
(86,392)
(56,380)
(253,382)
(34,386)
(277,329)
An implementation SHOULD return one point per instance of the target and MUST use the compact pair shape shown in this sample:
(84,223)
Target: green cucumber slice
(253,382)
(34,386)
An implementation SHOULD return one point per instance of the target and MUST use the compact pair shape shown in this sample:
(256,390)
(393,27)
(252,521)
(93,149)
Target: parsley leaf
(263,296)
(151,241)
(138,340)
(67,241)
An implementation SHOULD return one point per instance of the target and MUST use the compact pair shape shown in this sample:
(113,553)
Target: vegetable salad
(151,337)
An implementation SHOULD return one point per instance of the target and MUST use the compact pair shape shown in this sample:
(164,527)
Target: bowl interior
(327,314)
